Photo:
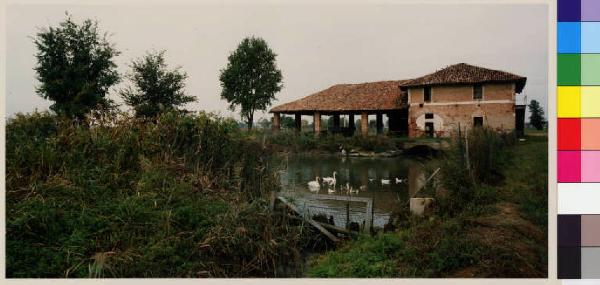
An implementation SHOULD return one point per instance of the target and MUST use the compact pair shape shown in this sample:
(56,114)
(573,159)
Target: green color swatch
(569,69)
(590,69)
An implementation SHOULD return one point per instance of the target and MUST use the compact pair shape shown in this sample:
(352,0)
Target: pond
(390,182)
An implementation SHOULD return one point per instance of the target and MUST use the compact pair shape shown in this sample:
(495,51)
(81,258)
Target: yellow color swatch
(590,101)
(569,101)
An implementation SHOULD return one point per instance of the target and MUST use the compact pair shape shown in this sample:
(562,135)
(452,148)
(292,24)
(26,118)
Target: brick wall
(463,93)
(447,116)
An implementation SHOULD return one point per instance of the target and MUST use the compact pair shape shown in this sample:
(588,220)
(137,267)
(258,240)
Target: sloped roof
(369,96)
(463,73)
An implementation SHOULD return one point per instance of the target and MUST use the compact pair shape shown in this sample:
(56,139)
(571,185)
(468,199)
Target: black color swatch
(569,263)
(569,230)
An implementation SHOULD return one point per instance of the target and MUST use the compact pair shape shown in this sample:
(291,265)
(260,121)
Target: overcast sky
(317,45)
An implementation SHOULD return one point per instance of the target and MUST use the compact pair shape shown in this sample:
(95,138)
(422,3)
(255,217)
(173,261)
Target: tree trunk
(250,121)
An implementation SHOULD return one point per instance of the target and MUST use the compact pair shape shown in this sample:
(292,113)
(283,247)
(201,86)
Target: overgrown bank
(184,196)
(179,196)
(298,142)
(487,224)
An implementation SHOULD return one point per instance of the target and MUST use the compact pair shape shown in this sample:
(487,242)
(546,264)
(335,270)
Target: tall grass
(178,196)
(288,140)
(476,158)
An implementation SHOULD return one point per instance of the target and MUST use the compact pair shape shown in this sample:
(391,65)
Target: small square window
(427,94)
(477,121)
(477,92)
(429,116)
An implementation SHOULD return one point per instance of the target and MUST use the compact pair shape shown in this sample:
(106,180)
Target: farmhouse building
(435,105)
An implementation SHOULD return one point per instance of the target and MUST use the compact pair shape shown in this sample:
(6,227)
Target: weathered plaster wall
(454,105)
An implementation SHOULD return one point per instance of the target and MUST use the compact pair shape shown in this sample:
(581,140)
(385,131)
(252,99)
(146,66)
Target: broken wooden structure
(330,231)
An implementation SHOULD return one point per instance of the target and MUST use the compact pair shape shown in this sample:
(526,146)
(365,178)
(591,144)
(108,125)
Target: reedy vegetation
(181,195)
(490,222)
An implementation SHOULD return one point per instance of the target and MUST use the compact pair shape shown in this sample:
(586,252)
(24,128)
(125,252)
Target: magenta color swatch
(590,166)
(569,166)
(590,10)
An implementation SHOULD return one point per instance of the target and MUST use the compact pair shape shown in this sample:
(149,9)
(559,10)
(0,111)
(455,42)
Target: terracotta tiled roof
(463,73)
(370,96)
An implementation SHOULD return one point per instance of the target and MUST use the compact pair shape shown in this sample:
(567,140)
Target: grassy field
(500,232)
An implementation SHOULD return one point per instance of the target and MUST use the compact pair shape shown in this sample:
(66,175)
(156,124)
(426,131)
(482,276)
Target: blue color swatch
(569,40)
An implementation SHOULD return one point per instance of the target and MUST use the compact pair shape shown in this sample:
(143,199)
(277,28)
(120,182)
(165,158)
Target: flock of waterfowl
(330,182)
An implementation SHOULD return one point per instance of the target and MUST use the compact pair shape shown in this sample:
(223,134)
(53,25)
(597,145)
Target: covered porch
(351,101)
(346,122)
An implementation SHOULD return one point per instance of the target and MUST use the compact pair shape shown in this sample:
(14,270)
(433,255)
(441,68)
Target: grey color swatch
(590,262)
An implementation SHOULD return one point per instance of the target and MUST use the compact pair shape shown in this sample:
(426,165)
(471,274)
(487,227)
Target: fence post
(369,218)
(348,214)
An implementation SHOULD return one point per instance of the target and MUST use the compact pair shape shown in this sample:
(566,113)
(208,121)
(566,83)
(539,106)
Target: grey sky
(317,45)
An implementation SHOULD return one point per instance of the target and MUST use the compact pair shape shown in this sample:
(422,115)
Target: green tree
(264,123)
(155,88)
(251,78)
(75,67)
(537,115)
(287,122)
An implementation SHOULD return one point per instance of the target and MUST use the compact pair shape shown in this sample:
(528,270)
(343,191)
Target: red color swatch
(569,134)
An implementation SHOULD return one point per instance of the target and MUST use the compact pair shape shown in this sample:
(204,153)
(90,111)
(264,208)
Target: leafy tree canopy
(537,115)
(251,78)
(155,88)
(75,67)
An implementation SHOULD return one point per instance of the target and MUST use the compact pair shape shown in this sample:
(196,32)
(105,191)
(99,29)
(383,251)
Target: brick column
(298,122)
(317,123)
(364,123)
(276,121)
(379,124)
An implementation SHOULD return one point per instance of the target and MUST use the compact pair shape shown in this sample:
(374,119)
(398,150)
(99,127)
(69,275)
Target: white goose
(398,180)
(314,186)
(330,180)
(385,182)
(331,190)
(347,188)
(352,190)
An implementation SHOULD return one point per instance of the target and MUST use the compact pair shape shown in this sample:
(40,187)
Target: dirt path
(517,242)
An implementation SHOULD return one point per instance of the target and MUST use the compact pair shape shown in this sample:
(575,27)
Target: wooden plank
(327,226)
(337,229)
(338,198)
(432,175)
(426,181)
(309,220)
(369,217)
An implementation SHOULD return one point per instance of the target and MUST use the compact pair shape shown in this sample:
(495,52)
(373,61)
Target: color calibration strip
(578,105)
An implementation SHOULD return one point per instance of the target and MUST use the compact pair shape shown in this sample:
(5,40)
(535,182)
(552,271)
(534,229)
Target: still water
(363,175)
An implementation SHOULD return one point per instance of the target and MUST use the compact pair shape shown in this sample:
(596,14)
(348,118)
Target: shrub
(472,161)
